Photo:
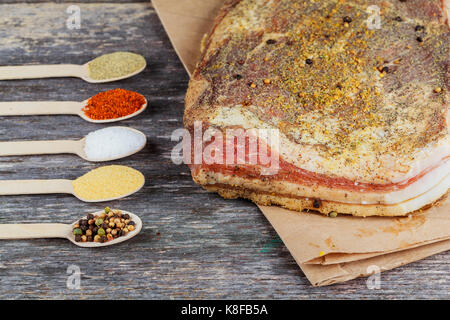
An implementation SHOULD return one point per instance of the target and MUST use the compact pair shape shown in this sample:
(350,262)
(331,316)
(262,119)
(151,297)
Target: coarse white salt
(113,143)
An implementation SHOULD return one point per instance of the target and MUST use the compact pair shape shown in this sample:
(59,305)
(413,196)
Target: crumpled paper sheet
(327,250)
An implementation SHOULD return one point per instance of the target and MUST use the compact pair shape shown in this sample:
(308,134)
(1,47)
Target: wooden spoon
(60,230)
(55,71)
(21,187)
(20,148)
(28,108)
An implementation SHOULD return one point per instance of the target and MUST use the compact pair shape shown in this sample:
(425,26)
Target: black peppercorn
(317,203)
(103,239)
(94,231)
(347,19)
(126,215)
(131,223)
(78,238)
(399,19)
(419,28)
(385,69)
(84,227)
(237,77)
(309,61)
(89,238)
(339,86)
(90,216)
(419,39)
(271,41)
(105,226)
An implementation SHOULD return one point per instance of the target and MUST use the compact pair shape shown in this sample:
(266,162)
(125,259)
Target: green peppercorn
(99,221)
(333,214)
(77,231)
(107,210)
(101,232)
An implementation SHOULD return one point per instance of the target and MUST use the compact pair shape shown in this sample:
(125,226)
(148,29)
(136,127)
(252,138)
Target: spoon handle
(40,71)
(19,148)
(34,230)
(25,108)
(17,187)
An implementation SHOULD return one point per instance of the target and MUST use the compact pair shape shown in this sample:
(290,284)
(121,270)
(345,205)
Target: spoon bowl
(85,117)
(130,234)
(108,199)
(84,74)
(81,152)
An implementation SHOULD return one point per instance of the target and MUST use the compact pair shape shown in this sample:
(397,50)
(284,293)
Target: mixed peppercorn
(107,226)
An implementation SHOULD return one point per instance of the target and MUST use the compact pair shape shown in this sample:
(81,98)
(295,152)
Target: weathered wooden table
(194,244)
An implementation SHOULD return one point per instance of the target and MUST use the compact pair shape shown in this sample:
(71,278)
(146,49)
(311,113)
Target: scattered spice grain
(347,19)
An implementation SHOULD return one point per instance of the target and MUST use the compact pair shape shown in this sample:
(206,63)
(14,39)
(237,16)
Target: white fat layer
(440,176)
(370,168)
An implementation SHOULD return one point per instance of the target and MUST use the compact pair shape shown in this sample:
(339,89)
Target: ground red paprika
(113,104)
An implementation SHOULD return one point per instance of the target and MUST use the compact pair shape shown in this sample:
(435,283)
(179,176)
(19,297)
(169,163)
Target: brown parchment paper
(328,250)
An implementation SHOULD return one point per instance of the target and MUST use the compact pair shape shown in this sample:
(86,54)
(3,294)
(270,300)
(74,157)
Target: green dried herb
(115,65)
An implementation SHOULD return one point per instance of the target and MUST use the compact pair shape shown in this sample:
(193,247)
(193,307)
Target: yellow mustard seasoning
(108,182)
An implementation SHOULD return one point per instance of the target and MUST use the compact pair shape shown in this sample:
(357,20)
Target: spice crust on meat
(351,102)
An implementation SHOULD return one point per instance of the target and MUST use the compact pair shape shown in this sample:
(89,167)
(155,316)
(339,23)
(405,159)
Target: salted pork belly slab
(356,93)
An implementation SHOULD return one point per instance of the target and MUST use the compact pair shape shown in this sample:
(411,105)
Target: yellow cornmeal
(108,182)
